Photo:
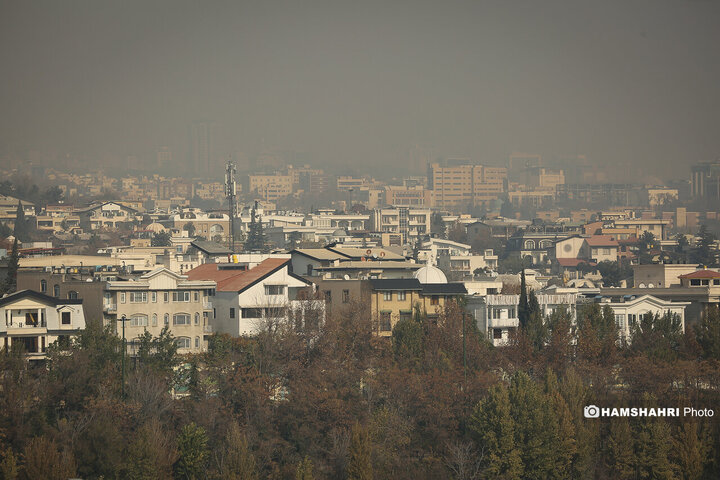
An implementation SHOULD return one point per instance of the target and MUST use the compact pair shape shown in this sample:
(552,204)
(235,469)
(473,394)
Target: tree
(360,463)
(708,333)
(705,252)
(304,470)
(42,459)
(9,469)
(193,452)
(613,273)
(523,306)
(437,225)
(256,241)
(690,450)
(158,354)
(21,229)
(236,461)
(646,242)
(161,239)
(12,269)
(407,340)
(657,336)
(620,451)
(458,233)
(535,327)
(190,228)
(493,429)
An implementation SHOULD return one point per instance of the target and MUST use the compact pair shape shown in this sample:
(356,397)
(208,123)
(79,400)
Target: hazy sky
(359,82)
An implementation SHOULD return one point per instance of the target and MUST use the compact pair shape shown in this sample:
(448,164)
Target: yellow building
(463,185)
(271,187)
(394,299)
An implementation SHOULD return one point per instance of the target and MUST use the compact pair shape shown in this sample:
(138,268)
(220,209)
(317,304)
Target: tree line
(334,401)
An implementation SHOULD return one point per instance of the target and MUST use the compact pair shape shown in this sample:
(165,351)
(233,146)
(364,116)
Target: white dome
(430,274)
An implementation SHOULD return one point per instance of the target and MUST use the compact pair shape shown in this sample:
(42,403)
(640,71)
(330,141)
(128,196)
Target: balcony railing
(110,307)
(207,329)
(207,306)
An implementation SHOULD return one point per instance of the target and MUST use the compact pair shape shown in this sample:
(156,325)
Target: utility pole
(124,352)
(231,193)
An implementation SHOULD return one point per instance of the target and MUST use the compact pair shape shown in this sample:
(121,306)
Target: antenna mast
(231,193)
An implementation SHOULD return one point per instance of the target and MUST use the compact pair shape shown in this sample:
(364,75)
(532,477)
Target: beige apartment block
(158,299)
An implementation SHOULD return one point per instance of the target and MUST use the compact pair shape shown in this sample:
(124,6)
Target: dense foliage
(338,402)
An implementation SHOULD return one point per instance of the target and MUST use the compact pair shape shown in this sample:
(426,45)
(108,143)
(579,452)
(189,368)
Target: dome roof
(430,274)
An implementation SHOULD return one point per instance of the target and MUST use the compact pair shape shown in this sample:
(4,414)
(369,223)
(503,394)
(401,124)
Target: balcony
(110,308)
(207,329)
(207,306)
(503,323)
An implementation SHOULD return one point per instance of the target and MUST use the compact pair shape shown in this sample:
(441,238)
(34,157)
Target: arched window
(166,319)
(181,319)
(545,244)
(529,244)
(72,295)
(183,342)
(56,291)
(197,342)
(197,318)
(43,286)
(216,229)
(154,320)
(139,320)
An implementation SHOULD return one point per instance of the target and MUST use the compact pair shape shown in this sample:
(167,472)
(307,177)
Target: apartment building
(411,223)
(213,225)
(271,187)
(35,320)
(159,299)
(402,196)
(462,185)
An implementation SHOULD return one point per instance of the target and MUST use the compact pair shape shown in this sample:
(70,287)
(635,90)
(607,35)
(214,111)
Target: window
(385,322)
(197,342)
(232,312)
(181,296)
(122,297)
(153,297)
(196,297)
(31,319)
(72,295)
(434,300)
(43,286)
(138,297)
(165,297)
(497,333)
(65,318)
(197,318)
(529,244)
(387,296)
(274,289)
(183,342)
(309,270)
(496,313)
(154,320)
(345,296)
(166,319)
(181,319)
(251,312)
(511,313)
(620,320)
(56,291)
(632,319)
(328,296)
(401,296)
(139,321)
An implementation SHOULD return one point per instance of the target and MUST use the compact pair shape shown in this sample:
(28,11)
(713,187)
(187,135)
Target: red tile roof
(601,241)
(701,274)
(573,262)
(229,280)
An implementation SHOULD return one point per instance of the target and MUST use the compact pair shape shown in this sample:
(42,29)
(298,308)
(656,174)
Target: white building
(248,297)
(36,320)
(629,311)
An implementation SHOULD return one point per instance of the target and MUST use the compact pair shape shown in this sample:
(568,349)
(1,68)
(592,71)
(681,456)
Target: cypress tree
(493,428)
(620,458)
(12,269)
(523,307)
(360,463)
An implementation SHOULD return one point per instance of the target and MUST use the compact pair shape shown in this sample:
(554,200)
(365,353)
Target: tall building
(463,185)
(705,180)
(202,148)
(164,157)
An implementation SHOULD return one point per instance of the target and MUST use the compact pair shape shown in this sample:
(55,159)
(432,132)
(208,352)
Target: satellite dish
(650,285)
(346,276)
(642,285)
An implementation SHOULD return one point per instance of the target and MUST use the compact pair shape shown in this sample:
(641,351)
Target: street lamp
(124,351)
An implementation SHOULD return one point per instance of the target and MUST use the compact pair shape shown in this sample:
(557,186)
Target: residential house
(247,297)
(35,320)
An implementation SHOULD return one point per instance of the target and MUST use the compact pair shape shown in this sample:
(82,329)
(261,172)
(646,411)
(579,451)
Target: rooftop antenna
(231,193)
